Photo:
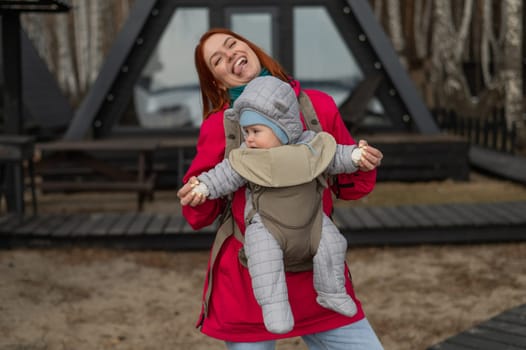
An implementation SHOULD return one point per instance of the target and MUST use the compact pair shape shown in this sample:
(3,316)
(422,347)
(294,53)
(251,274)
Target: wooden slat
(509,166)
(122,224)
(367,218)
(30,225)
(471,216)
(504,331)
(87,227)
(47,228)
(139,224)
(38,226)
(385,217)
(520,310)
(475,341)
(416,215)
(492,216)
(450,215)
(500,336)
(174,225)
(157,224)
(405,219)
(431,215)
(512,317)
(517,208)
(67,227)
(104,226)
(348,219)
(510,216)
(510,326)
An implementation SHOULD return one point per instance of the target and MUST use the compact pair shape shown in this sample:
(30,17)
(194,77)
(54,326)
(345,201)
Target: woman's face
(232,62)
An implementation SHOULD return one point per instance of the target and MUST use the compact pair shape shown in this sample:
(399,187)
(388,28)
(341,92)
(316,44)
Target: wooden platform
(410,224)
(417,157)
(504,331)
(507,166)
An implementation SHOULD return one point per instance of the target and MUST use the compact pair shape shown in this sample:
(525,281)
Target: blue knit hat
(249,117)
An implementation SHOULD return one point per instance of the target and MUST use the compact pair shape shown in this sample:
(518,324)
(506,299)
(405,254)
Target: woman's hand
(371,157)
(187,196)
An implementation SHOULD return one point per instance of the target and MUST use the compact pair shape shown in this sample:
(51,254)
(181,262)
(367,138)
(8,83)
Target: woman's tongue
(239,66)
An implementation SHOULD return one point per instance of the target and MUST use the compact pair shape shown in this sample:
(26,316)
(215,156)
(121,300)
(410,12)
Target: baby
(285,171)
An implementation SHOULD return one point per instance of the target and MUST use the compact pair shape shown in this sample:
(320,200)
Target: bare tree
(511,62)
(96,26)
(447,52)
(66,74)
(394,21)
(40,31)
(82,43)
(422,27)
(74,44)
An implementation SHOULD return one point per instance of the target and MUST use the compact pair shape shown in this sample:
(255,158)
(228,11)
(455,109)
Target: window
(321,58)
(257,24)
(167,93)
(323,61)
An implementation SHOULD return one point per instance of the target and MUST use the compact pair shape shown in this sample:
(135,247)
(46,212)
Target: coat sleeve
(210,151)
(342,162)
(221,180)
(345,186)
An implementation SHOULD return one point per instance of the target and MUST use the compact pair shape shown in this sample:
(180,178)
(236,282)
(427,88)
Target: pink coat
(233,313)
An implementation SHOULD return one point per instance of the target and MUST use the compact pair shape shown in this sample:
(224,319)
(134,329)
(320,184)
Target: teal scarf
(235,92)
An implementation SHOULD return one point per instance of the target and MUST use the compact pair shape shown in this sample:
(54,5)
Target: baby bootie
(339,302)
(278,317)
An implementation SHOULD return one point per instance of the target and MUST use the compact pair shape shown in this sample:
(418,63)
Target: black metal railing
(491,132)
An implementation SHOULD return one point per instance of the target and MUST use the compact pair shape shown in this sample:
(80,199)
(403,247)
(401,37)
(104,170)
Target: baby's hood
(275,100)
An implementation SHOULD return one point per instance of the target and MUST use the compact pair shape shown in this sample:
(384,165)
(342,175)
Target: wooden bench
(99,174)
(182,146)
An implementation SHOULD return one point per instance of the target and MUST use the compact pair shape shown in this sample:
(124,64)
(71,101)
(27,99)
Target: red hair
(212,96)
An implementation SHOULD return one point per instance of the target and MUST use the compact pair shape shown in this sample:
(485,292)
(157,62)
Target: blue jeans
(356,336)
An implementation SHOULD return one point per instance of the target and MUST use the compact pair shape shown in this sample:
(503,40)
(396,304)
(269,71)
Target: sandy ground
(414,296)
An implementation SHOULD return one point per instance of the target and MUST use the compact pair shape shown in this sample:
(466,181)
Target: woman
(225,63)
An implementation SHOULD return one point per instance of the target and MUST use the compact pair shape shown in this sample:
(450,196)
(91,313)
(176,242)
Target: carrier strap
(309,114)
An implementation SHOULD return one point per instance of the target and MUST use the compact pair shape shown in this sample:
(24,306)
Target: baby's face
(260,136)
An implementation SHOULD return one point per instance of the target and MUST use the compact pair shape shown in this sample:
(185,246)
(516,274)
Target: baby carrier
(288,202)
(298,257)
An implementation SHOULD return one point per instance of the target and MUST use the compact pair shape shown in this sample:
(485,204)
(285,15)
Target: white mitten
(201,189)
(356,155)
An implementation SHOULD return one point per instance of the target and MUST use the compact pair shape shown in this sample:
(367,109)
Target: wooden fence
(491,132)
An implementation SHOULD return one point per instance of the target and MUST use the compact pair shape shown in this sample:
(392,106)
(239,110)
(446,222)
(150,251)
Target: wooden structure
(16,164)
(110,95)
(109,176)
(407,224)
(507,166)
(103,165)
(418,157)
(13,45)
(507,331)
(109,98)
